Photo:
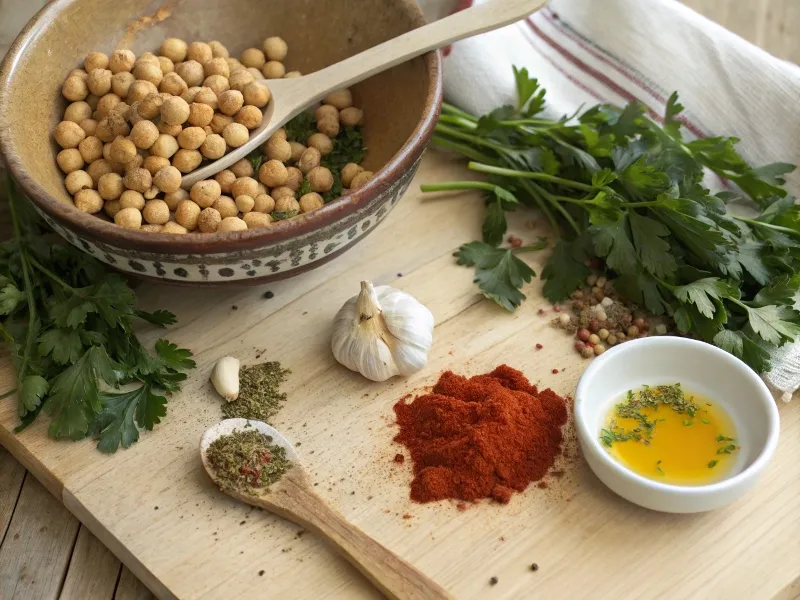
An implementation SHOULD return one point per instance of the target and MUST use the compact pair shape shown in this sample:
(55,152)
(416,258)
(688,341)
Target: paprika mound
(486,436)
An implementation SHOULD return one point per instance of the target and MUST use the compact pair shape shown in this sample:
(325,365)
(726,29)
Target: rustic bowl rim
(95,228)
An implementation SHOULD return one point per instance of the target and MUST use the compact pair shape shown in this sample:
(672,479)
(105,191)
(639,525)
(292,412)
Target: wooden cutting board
(156,509)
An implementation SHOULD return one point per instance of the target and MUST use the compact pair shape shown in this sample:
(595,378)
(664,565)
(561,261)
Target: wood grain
(93,571)
(12,475)
(130,588)
(34,556)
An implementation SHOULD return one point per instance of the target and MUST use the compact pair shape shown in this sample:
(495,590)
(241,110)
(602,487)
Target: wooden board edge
(10,442)
(116,546)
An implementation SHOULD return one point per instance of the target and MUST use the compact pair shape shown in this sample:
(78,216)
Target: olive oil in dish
(670,435)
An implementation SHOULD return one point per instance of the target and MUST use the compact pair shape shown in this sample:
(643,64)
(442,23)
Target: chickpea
(218,49)
(256,94)
(286,204)
(155,163)
(213,146)
(186,214)
(75,89)
(128,218)
(226,207)
(69,134)
(278,149)
(136,163)
(244,186)
(217,84)
(200,52)
(206,95)
(292,74)
(167,65)
(235,135)
(329,126)
(321,142)
(88,201)
(110,186)
(150,228)
(320,178)
(230,102)
(294,178)
(121,60)
(190,93)
(173,228)
(349,171)
(139,90)
(147,71)
(249,116)
(310,202)
(99,82)
(273,173)
(111,207)
(326,111)
(174,198)
(173,84)
(341,99)
(280,134)
(275,48)
(131,199)
(261,188)
(264,203)
(144,134)
(121,83)
(297,151)
(167,129)
(240,79)
(116,166)
(205,193)
(361,179)
(104,132)
(156,212)
(164,146)
(282,192)
(309,160)
(219,122)
(187,161)
(233,64)
(254,220)
(273,69)
(95,60)
(92,100)
(191,138)
(82,73)
(209,220)
(89,126)
(191,72)
(98,168)
(217,66)
(174,49)
(139,180)
(225,180)
(147,57)
(351,116)
(244,203)
(174,110)
(77,112)
(69,160)
(122,109)
(122,150)
(200,115)
(243,168)
(167,179)
(77,181)
(232,224)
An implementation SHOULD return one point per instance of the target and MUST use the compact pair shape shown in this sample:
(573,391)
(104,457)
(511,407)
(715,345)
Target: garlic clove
(225,378)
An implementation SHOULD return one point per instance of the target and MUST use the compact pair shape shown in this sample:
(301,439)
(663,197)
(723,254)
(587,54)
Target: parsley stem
(467,151)
(457,185)
(780,228)
(481,168)
(26,276)
(536,122)
(55,278)
(542,204)
(457,120)
(540,244)
(456,133)
(557,205)
(454,110)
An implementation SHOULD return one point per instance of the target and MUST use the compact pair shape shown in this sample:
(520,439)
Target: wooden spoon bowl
(400,106)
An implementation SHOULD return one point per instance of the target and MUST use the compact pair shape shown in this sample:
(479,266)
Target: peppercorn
(633,331)
(599,349)
(584,335)
(587,352)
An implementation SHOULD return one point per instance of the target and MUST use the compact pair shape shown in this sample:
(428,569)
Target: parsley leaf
(701,292)
(124,414)
(565,270)
(162,318)
(10,298)
(31,393)
(613,242)
(301,127)
(654,252)
(255,158)
(494,224)
(774,324)
(65,345)
(498,273)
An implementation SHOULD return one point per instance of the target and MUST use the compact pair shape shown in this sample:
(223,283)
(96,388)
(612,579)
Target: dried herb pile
(260,397)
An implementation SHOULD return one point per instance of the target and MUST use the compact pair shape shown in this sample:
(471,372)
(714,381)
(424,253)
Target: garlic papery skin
(382,332)
(225,378)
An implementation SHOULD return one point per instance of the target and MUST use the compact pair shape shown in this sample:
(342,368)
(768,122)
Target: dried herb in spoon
(247,461)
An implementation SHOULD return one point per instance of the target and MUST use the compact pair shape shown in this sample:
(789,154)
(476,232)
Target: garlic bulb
(382,332)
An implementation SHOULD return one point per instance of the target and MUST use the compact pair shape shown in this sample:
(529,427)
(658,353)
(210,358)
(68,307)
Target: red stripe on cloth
(625,70)
(589,70)
(462,5)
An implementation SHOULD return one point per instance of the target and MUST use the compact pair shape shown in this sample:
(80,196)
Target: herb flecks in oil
(260,397)
(247,461)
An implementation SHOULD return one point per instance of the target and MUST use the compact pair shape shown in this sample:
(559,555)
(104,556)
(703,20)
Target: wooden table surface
(46,553)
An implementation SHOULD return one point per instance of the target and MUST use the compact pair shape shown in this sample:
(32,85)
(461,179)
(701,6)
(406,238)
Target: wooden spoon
(292,96)
(293,498)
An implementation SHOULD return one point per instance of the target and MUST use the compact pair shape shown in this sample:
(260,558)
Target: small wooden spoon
(293,498)
(292,96)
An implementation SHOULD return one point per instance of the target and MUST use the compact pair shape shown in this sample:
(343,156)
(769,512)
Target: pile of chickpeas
(134,127)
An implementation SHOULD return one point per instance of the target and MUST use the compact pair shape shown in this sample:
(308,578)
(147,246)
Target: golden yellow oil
(681,450)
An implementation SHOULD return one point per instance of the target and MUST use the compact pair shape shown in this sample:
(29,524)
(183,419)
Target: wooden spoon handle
(460,25)
(397,579)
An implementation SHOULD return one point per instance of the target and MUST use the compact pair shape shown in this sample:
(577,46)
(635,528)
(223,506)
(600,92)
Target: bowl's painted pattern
(269,262)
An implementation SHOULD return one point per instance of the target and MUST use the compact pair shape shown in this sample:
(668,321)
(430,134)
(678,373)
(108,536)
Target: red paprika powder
(486,436)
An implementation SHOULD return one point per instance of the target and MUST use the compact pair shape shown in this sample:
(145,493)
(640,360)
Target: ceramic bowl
(702,368)
(401,107)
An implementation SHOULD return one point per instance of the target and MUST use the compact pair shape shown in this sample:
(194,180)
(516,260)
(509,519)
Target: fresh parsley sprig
(618,187)
(69,324)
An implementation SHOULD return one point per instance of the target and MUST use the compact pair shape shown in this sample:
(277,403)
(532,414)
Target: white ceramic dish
(702,368)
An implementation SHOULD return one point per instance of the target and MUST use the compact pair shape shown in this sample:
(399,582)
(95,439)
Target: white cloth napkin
(590,51)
